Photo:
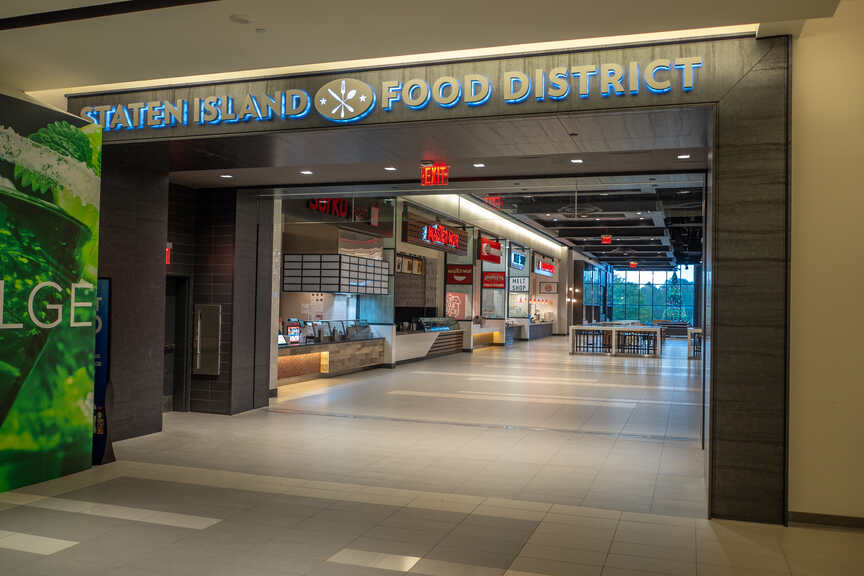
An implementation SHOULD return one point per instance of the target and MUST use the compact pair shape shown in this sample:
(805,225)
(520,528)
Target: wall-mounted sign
(460,274)
(168,248)
(436,174)
(518,259)
(519,283)
(441,235)
(344,100)
(496,202)
(547,288)
(606,239)
(494,280)
(634,264)
(456,305)
(543,266)
(420,230)
(490,250)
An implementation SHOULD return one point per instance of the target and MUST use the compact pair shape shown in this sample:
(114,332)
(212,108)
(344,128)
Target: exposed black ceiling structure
(653,220)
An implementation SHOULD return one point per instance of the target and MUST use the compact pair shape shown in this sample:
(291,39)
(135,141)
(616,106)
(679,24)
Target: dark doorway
(175,389)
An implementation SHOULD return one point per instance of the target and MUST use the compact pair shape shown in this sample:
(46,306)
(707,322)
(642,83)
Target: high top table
(616,340)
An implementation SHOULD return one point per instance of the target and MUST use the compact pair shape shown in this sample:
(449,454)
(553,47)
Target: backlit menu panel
(334,273)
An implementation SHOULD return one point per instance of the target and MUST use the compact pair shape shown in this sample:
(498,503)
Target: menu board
(334,273)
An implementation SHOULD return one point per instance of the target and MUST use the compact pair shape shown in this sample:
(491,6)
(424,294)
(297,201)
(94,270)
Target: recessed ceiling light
(576,161)
(642,218)
(638,213)
(479,165)
(683,156)
(390,168)
(548,214)
(554,219)
(597,219)
(226,176)
(306,172)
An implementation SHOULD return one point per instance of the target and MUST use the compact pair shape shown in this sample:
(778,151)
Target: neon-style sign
(347,100)
(437,174)
(438,234)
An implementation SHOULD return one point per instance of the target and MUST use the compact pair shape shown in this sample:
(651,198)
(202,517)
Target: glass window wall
(649,295)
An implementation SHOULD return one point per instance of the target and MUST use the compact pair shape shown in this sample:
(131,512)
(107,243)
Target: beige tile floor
(613,486)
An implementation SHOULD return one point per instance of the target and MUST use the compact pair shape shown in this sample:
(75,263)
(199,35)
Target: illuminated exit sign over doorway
(437,174)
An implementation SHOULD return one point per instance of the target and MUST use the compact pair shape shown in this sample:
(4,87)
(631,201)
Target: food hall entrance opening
(545,304)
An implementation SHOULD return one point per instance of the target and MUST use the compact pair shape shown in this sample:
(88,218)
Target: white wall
(827,316)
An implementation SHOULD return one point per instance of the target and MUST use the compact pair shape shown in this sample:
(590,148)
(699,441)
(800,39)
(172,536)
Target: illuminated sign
(168,248)
(490,250)
(347,100)
(460,274)
(543,266)
(496,202)
(436,174)
(606,239)
(438,234)
(493,280)
(634,264)
(340,207)
(518,259)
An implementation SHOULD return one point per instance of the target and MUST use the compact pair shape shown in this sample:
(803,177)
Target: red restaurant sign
(490,250)
(606,239)
(460,274)
(435,175)
(494,280)
(438,234)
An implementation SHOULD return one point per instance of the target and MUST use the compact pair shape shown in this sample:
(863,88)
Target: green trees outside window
(648,295)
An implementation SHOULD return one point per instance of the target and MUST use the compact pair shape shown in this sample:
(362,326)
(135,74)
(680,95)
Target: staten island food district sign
(683,73)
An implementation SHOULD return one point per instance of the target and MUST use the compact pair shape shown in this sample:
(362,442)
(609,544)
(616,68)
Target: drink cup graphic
(39,242)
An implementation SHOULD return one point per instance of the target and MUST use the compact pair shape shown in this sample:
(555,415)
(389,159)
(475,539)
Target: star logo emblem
(323,101)
(362,98)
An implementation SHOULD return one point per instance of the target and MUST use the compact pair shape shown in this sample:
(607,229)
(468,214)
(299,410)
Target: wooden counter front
(304,362)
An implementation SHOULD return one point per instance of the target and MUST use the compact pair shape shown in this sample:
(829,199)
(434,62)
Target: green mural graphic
(50,165)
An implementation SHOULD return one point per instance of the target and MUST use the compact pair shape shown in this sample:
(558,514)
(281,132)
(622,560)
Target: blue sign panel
(100,383)
(517,260)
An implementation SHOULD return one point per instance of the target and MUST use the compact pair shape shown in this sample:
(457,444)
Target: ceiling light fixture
(548,214)
(306,172)
(390,168)
(226,176)
(479,165)
(576,161)
(683,156)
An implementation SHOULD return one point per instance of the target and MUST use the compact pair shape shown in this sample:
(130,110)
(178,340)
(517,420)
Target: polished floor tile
(523,461)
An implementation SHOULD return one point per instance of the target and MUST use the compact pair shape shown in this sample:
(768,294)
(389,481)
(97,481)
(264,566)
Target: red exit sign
(437,174)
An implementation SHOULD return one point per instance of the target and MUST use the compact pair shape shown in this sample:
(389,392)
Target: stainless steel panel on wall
(208,339)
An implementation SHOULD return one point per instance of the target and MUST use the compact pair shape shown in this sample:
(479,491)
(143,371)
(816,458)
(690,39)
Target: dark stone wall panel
(133,224)
(750,300)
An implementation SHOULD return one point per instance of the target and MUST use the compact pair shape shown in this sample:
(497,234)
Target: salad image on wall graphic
(50,166)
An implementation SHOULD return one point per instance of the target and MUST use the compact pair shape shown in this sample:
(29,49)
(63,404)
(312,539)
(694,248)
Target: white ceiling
(200,38)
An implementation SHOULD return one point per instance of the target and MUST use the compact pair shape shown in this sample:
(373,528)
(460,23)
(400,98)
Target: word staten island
(347,100)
